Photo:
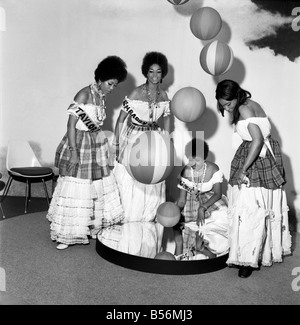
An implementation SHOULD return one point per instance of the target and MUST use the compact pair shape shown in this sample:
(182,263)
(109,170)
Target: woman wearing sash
(139,113)
(203,231)
(258,211)
(86,197)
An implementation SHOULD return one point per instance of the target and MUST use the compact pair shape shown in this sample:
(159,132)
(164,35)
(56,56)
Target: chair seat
(32,171)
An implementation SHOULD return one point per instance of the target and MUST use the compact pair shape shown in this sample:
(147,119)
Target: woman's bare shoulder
(83,95)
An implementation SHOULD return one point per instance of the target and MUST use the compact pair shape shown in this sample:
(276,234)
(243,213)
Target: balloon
(165,256)
(150,157)
(216,58)
(178,2)
(205,23)
(188,104)
(168,214)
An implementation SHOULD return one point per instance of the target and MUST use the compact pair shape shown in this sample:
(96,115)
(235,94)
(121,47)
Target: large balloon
(188,104)
(205,23)
(168,214)
(149,158)
(178,2)
(216,58)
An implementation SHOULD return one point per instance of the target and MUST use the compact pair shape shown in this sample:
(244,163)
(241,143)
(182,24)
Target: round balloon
(168,214)
(188,104)
(178,2)
(205,23)
(150,157)
(165,256)
(216,58)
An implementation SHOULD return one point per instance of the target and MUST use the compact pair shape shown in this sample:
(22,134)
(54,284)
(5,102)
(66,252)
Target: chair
(22,165)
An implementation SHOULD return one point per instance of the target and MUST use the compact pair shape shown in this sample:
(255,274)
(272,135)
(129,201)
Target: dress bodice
(140,111)
(265,127)
(189,185)
(90,115)
(262,122)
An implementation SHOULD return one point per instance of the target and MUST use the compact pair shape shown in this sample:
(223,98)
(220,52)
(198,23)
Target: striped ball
(216,58)
(168,214)
(205,23)
(178,2)
(150,157)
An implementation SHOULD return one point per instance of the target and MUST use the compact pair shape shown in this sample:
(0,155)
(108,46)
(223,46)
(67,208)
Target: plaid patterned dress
(215,229)
(86,197)
(258,214)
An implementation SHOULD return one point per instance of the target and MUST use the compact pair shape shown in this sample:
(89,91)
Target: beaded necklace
(152,102)
(201,183)
(102,100)
(203,176)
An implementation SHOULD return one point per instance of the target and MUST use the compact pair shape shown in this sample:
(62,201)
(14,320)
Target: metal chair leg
(2,211)
(46,192)
(27,198)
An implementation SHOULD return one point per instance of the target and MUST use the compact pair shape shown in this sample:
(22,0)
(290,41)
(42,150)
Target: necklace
(100,111)
(203,175)
(152,102)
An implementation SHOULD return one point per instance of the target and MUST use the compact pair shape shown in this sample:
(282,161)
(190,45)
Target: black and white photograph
(149,155)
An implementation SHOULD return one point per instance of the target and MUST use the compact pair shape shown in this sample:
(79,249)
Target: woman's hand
(200,243)
(201,216)
(243,179)
(73,161)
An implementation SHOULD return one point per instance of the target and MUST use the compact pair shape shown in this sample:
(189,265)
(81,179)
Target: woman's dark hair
(111,67)
(195,146)
(155,58)
(229,90)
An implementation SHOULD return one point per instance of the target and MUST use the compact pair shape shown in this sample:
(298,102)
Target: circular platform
(136,246)
(152,265)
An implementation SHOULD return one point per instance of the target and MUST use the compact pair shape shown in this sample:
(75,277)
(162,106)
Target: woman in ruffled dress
(203,229)
(86,197)
(139,113)
(258,211)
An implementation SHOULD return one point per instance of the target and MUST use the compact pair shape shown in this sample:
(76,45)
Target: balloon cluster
(216,57)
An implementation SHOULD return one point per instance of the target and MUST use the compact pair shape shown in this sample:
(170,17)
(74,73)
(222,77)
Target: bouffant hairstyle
(229,90)
(111,67)
(197,147)
(155,58)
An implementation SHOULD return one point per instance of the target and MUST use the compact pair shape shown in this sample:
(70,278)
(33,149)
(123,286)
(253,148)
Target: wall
(49,51)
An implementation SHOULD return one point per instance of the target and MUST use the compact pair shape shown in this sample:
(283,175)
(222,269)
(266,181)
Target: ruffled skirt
(258,226)
(80,208)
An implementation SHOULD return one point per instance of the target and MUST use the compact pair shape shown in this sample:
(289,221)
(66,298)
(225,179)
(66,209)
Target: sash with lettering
(126,107)
(85,118)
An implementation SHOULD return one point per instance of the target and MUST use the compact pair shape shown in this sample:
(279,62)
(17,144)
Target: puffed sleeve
(167,110)
(74,109)
(126,105)
(217,177)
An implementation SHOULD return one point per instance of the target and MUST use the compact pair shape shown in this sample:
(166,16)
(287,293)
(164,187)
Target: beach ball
(188,104)
(178,2)
(216,58)
(205,23)
(165,256)
(168,214)
(150,157)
